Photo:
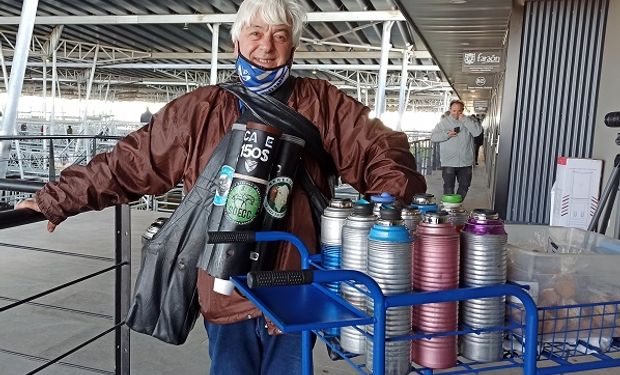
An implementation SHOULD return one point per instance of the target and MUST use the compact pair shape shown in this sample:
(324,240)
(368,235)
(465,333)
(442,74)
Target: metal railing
(72,149)
(122,282)
(41,157)
(426,154)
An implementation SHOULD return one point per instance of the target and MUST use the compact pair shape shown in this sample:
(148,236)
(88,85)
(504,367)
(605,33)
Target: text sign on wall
(482,61)
(481,105)
(480,82)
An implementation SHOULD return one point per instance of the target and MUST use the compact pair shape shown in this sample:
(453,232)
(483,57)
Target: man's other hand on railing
(32,204)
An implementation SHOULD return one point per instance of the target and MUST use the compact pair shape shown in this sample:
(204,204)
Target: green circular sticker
(243,202)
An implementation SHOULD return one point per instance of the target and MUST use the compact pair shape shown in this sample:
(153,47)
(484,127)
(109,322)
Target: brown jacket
(178,142)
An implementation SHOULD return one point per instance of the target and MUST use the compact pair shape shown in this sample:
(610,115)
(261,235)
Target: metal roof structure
(157,50)
(451,28)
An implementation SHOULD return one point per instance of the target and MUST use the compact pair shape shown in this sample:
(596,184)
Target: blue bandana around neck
(261,80)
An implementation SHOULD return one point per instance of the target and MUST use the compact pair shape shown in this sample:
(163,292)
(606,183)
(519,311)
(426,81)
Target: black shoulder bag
(165,302)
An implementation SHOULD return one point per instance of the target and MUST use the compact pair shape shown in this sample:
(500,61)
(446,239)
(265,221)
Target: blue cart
(316,309)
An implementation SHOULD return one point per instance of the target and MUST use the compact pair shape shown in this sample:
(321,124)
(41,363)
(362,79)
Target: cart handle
(266,236)
(262,279)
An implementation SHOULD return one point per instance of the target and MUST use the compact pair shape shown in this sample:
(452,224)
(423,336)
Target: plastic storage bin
(564,266)
(573,278)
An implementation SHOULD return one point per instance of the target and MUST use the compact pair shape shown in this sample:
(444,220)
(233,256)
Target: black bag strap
(283,117)
(318,202)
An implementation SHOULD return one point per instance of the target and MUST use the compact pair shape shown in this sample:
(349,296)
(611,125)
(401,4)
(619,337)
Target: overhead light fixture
(458,1)
(464,43)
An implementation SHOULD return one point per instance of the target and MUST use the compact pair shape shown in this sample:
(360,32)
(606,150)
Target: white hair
(274,12)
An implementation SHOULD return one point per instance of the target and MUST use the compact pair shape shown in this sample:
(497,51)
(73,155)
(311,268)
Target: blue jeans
(451,174)
(245,348)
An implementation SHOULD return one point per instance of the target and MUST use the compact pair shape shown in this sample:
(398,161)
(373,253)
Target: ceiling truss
(166,74)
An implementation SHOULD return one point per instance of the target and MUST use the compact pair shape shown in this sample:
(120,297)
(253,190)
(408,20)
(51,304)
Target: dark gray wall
(609,98)
(551,112)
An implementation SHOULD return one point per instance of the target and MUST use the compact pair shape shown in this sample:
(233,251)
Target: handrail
(91,138)
(121,269)
(20,185)
(15,218)
(59,136)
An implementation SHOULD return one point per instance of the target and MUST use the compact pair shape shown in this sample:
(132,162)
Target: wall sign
(482,61)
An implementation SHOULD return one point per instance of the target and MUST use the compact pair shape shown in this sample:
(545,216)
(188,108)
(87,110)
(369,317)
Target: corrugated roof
(190,43)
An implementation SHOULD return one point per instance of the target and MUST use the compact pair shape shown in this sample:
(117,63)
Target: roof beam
(229,55)
(365,16)
(298,55)
(174,82)
(350,67)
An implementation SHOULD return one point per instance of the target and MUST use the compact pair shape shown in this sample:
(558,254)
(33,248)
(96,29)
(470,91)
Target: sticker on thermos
(243,203)
(277,196)
(224,181)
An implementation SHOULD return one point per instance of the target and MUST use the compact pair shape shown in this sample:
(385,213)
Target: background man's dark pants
(476,153)
(450,174)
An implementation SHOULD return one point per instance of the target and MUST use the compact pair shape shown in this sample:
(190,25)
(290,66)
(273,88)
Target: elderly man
(180,139)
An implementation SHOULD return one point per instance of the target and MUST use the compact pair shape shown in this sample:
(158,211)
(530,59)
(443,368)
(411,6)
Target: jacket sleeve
(474,128)
(147,161)
(368,155)
(439,134)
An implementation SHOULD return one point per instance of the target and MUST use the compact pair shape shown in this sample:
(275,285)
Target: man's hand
(452,133)
(32,204)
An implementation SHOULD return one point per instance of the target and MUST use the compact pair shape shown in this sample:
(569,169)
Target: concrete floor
(478,196)
(31,331)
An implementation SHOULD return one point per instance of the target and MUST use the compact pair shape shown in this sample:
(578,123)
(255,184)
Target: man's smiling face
(267,46)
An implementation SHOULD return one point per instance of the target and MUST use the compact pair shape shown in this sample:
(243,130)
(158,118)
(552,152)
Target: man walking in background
(455,135)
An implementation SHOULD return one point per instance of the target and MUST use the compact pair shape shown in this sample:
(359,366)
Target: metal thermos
(332,221)
(224,180)
(379,200)
(411,218)
(275,204)
(389,260)
(355,257)
(483,263)
(453,205)
(424,203)
(451,201)
(244,203)
(435,268)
